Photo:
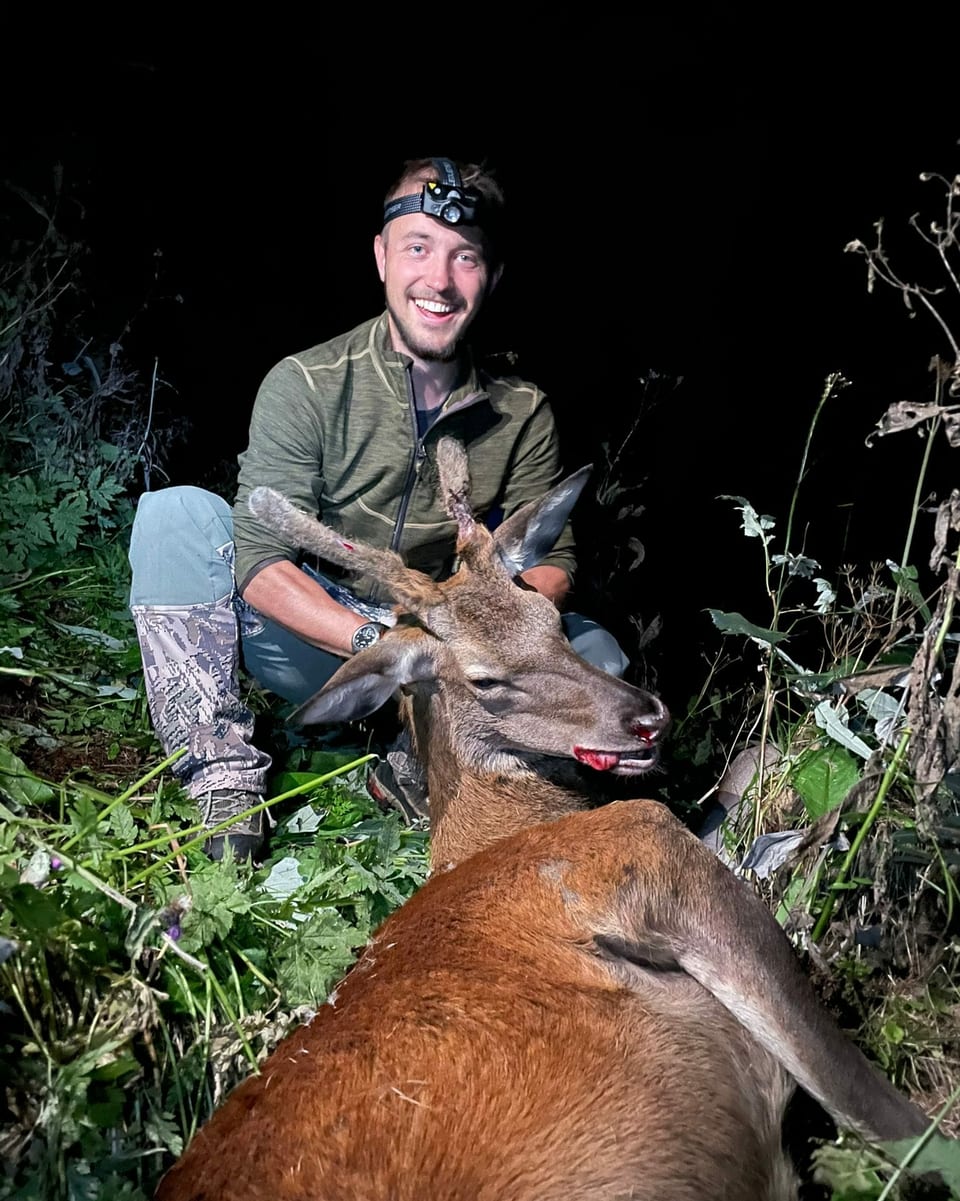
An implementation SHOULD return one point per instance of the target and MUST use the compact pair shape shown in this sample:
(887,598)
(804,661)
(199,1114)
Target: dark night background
(681,190)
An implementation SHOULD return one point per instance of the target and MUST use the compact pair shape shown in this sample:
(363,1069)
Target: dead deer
(587,1004)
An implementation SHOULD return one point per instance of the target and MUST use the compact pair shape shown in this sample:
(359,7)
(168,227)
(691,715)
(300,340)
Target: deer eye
(485,683)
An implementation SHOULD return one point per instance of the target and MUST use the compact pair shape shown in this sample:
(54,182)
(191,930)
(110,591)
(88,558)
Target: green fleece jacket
(334,429)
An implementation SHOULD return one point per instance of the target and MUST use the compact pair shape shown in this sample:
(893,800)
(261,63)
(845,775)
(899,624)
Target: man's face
(436,278)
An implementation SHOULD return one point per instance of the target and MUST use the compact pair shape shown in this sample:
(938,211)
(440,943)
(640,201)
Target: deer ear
(527,537)
(366,682)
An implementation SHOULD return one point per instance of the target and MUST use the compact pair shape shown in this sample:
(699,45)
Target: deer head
(491,688)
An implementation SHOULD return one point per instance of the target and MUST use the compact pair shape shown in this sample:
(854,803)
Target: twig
(146,431)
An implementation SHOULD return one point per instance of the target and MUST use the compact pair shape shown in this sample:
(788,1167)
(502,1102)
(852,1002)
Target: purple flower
(174,933)
(55,863)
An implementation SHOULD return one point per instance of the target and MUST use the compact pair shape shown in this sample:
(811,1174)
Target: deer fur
(581,1002)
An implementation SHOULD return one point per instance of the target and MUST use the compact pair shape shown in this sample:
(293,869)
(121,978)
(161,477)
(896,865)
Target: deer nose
(649,728)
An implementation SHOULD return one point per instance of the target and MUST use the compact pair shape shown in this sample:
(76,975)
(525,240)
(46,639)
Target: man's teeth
(434,306)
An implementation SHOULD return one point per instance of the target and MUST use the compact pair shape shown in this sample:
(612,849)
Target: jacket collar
(392,367)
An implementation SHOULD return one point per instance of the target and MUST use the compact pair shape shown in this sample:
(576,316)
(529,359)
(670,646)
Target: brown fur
(529,1026)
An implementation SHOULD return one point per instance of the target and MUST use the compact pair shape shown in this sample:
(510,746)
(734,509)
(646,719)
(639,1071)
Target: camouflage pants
(194,632)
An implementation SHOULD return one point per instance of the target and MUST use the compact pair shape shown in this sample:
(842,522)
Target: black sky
(681,189)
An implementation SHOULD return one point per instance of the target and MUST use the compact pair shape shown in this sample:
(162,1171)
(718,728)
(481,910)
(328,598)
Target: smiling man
(435,278)
(346,430)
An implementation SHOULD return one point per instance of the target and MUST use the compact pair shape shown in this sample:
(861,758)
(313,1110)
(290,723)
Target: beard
(417,344)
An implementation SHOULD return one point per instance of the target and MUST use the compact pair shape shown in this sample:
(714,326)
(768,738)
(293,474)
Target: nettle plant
(139,980)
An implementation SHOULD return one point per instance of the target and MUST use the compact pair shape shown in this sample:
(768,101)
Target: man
(348,430)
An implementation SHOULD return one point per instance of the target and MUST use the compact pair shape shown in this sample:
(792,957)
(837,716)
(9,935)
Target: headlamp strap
(449,175)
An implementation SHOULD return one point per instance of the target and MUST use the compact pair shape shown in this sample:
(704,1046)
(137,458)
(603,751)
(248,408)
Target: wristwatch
(366,635)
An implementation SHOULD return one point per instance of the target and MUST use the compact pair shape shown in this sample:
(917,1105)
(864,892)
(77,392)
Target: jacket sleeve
(285,452)
(534,469)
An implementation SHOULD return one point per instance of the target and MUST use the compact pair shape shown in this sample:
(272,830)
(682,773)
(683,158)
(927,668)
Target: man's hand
(552,582)
(288,596)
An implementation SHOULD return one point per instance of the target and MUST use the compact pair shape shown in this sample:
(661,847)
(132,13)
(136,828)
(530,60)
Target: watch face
(365,636)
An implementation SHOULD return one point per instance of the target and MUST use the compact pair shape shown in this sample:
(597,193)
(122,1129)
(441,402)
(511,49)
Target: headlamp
(445,198)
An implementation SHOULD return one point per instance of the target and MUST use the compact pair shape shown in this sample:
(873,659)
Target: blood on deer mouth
(620,763)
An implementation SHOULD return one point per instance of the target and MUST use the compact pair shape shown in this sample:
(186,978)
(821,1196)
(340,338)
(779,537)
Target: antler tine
(455,484)
(404,583)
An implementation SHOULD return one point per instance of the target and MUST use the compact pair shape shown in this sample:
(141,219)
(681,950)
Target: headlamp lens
(451,203)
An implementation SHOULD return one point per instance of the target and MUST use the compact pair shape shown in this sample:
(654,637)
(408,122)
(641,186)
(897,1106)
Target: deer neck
(476,799)
(480,793)
(470,809)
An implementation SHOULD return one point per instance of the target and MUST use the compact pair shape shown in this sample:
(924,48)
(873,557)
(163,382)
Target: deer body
(554,1068)
(581,1002)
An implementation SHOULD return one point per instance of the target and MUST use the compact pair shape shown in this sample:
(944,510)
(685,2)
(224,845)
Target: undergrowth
(143,980)
(838,774)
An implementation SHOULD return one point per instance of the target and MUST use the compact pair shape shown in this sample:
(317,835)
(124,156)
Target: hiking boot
(244,839)
(397,783)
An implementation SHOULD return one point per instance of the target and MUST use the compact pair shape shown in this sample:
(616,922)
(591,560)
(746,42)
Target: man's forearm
(553,582)
(288,596)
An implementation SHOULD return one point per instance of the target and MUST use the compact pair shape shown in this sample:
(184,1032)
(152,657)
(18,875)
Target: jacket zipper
(419,454)
(413,470)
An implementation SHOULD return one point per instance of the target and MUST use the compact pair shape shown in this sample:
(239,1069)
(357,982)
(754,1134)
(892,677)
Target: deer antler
(410,587)
(455,486)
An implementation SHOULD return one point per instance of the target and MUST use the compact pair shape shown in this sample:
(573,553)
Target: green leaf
(833,720)
(83,816)
(316,956)
(217,899)
(753,524)
(906,580)
(736,623)
(938,1155)
(796,565)
(161,1131)
(107,1111)
(67,519)
(123,826)
(114,1069)
(306,820)
(826,595)
(33,529)
(18,784)
(284,879)
(852,1173)
(824,777)
(33,911)
(90,635)
(321,763)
